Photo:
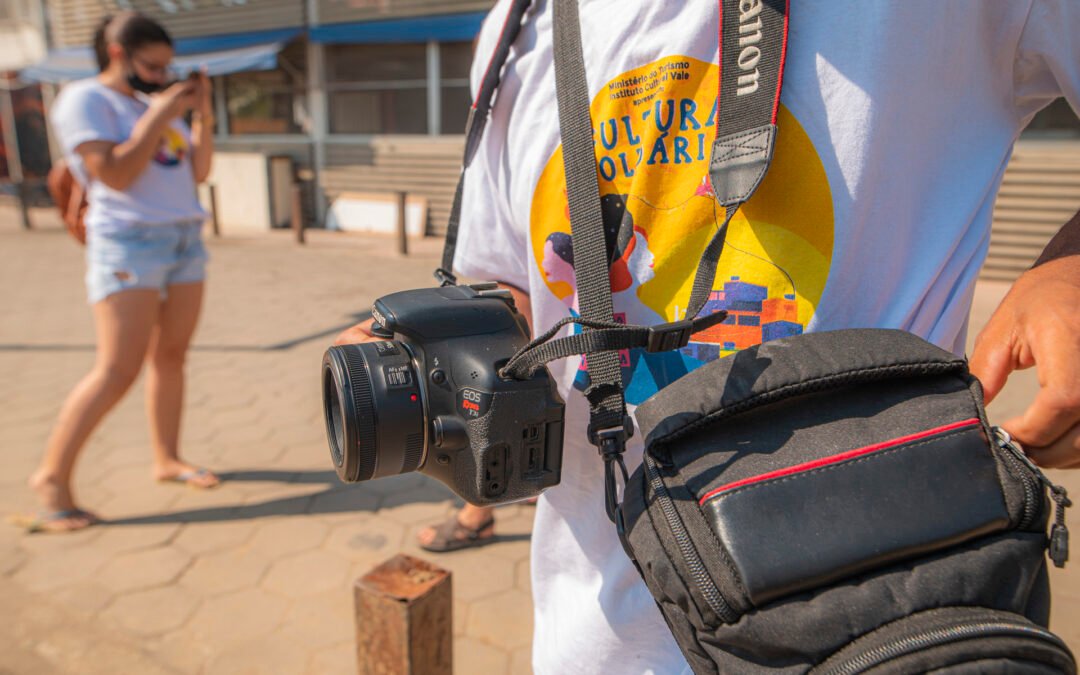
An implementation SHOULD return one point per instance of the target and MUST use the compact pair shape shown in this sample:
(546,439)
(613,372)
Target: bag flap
(788,367)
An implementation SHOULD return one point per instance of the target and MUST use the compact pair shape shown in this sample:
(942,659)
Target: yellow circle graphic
(655,126)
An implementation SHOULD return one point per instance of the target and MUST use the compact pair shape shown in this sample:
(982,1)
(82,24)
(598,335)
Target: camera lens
(374,410)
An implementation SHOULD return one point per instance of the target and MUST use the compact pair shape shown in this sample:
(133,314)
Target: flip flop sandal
(40,523)
(189,479)
(451,535)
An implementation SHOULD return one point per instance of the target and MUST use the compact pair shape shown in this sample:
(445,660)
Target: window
(455,59)
(383,89)
(265,102)
(377,89)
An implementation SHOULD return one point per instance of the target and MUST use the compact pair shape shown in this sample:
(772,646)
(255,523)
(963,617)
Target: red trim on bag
(833,459)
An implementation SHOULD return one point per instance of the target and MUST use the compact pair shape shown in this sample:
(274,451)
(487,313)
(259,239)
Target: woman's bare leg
(123,323)
(169,344)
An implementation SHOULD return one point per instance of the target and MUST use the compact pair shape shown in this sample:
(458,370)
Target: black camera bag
(828,503)
(837,503)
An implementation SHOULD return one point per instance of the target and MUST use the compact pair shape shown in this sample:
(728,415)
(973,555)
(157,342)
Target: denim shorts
(143,256)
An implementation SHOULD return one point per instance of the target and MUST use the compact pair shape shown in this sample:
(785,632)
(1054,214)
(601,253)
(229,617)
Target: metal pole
(403,237)
(11,147)
(213,209)
(404,619)
(297,220)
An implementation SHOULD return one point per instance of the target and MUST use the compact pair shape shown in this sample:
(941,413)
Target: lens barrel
(374,410)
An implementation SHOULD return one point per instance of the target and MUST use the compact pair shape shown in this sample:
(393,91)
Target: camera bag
(836,502)
(832,502)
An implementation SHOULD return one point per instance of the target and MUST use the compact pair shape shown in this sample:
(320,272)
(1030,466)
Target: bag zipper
(1059,533)
(690,556)
(933,638)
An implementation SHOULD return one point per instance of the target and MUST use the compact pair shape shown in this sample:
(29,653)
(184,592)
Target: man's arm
(1038,324)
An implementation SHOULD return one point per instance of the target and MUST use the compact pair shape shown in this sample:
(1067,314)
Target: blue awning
(443,28)
(219,54)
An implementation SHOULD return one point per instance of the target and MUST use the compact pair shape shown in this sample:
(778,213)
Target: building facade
(371,96)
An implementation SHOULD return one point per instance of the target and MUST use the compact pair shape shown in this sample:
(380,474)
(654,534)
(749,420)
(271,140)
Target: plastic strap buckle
(445,277)
(668,336)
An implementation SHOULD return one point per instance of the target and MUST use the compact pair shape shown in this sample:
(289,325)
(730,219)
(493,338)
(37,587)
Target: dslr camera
(428,397)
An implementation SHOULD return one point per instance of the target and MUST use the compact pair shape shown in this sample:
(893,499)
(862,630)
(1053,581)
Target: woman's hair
(131,31)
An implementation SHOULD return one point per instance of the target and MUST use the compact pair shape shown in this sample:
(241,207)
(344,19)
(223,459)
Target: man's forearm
(1065,243)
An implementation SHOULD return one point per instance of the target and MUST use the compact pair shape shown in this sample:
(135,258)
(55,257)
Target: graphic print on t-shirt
(172,148)
(654,135)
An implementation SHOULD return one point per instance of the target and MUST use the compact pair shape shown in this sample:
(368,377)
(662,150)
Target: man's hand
(361,332)
(1038,324)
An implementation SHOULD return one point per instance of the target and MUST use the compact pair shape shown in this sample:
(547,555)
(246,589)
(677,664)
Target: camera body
(429,398)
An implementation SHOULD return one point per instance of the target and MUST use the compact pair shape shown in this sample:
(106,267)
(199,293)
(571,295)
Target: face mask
(141,85)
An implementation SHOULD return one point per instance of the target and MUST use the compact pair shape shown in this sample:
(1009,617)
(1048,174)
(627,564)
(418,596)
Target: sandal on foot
(451,535)
(191,478)
(45,522)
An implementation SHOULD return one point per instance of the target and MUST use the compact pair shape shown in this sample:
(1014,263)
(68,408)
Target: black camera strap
(753,42)
(753,45)
(474,129)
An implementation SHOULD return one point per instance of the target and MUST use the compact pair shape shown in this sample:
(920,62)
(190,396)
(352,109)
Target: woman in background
(125,132)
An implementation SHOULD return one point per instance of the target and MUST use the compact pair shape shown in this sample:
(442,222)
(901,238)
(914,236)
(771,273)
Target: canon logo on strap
(749,54)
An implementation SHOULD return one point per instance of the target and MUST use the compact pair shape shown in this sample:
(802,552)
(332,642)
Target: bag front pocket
(809,524)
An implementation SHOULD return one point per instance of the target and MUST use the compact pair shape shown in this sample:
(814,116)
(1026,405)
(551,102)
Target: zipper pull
(1059,533)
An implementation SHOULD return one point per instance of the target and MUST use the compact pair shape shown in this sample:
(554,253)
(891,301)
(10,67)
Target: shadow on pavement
(336,498)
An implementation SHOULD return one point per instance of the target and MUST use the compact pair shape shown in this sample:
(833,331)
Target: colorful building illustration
(753,318)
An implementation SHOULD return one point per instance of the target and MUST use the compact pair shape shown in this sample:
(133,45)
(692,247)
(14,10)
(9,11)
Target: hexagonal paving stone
(154,611)
(143,569)
(503,619)
(87,597)
(282,536)
(308,573)
(213,536)
(423,505)
(473,656)
(48,571)
(123,538)
(226,571)
(322,620)
(342,504)
(340,658)
(237,617)
(270,655)
(366,539)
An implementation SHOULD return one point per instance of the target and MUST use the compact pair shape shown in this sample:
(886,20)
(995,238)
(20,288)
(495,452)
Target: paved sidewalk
(253,577)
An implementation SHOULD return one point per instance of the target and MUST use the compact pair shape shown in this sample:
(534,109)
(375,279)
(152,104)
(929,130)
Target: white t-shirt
(164,192)
(896,124)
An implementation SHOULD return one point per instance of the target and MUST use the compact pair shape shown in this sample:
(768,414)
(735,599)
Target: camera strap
(474,129)
(753,44)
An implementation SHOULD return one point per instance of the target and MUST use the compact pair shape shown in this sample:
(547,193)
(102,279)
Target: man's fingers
(1053,413)
(361,332)
(1062,454)
(991,362)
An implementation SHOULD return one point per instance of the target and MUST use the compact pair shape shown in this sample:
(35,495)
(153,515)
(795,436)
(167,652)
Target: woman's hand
(177,99)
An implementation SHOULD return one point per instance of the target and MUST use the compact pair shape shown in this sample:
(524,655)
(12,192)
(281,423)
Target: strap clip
(445,277)
(668,336)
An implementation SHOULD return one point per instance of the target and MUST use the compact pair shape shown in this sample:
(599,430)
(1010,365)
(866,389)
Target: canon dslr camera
(429,397)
